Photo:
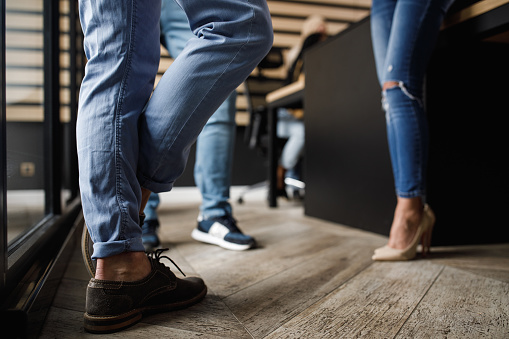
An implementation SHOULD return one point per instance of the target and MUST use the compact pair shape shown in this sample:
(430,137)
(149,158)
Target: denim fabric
(404,33)
(126,141)
(292,128)
(215,144)
(214,160)
(151,208)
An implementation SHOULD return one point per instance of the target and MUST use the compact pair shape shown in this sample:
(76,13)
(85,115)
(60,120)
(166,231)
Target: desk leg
(272,152)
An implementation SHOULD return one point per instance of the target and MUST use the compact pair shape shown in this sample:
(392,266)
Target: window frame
(35,249)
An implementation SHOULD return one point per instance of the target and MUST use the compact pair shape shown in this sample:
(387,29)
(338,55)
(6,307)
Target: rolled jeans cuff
(108,249)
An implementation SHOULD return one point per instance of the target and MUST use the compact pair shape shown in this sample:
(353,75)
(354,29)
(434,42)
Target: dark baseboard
(29,303)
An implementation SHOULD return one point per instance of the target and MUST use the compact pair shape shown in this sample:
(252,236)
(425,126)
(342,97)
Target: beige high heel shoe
(422,235)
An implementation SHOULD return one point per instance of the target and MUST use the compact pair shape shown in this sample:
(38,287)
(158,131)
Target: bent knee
(263,34)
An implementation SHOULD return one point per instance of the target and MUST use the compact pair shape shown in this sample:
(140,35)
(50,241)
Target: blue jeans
(292,128)
(126,141)
(151,207)
(215,144)
(404,33)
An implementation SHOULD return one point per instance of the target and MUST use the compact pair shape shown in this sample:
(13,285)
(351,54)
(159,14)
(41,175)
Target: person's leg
(290,157)
(231,38)
(214,160)
(293,129)
(151,223)
(212,173)
(288,127)
(175,28)
(119,78)
(175,32)
(404,34)
(151,207)
(121,40)
(214,147)
(122,48)
(215,144)
(382,13)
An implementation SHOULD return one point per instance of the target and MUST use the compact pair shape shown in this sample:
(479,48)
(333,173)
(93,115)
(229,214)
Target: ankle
(127,266)
(407,218)
(410,209)
(145,195)
(280,182)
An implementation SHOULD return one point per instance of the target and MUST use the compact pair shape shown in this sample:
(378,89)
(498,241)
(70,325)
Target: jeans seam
(419,142)
(416,37)
(397,173)
(118,129)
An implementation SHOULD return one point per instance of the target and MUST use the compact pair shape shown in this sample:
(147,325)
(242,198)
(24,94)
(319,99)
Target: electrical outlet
(27,169)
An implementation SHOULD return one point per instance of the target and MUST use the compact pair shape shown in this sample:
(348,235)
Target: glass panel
(24,115)
(65,100)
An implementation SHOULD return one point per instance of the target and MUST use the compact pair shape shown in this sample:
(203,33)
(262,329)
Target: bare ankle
(127,266)
(407,217)
(145,195)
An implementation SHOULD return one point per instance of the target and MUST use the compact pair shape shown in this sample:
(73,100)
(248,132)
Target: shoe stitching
(114,285)
(133,311)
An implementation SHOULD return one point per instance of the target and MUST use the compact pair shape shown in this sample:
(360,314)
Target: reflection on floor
(309,279)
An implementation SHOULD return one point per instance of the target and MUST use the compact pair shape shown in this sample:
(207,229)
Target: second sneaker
(222,231)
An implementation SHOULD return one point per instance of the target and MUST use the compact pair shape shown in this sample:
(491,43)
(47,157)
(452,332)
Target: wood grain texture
(461,305)
(289,293)
(63,324)
(375,304)
(491,261)
(309,279)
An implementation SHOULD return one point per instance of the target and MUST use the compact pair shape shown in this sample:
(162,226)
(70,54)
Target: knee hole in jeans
(392,84)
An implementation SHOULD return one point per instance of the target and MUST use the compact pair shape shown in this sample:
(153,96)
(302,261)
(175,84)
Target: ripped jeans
(404,33)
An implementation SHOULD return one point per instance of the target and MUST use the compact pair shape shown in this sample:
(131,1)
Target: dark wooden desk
(288,96)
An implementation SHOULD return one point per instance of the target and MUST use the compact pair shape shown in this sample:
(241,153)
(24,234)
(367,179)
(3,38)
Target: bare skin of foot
(407,217)
(145,194)
(127,266)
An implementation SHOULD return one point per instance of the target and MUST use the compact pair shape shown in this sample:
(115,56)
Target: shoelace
(157,256)
(230,223)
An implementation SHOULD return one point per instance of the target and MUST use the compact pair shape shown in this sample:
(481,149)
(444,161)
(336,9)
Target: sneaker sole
(103,325)
(207,238)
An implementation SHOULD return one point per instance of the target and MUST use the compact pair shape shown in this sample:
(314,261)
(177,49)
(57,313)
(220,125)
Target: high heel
(426,236)
(423,235)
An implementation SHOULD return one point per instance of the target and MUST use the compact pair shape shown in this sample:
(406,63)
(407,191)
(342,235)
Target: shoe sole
(103,325)
(207,238)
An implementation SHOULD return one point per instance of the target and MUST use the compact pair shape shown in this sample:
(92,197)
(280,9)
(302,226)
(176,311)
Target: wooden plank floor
(310,279)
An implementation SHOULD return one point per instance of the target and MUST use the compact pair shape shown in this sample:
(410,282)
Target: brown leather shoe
(115,305)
